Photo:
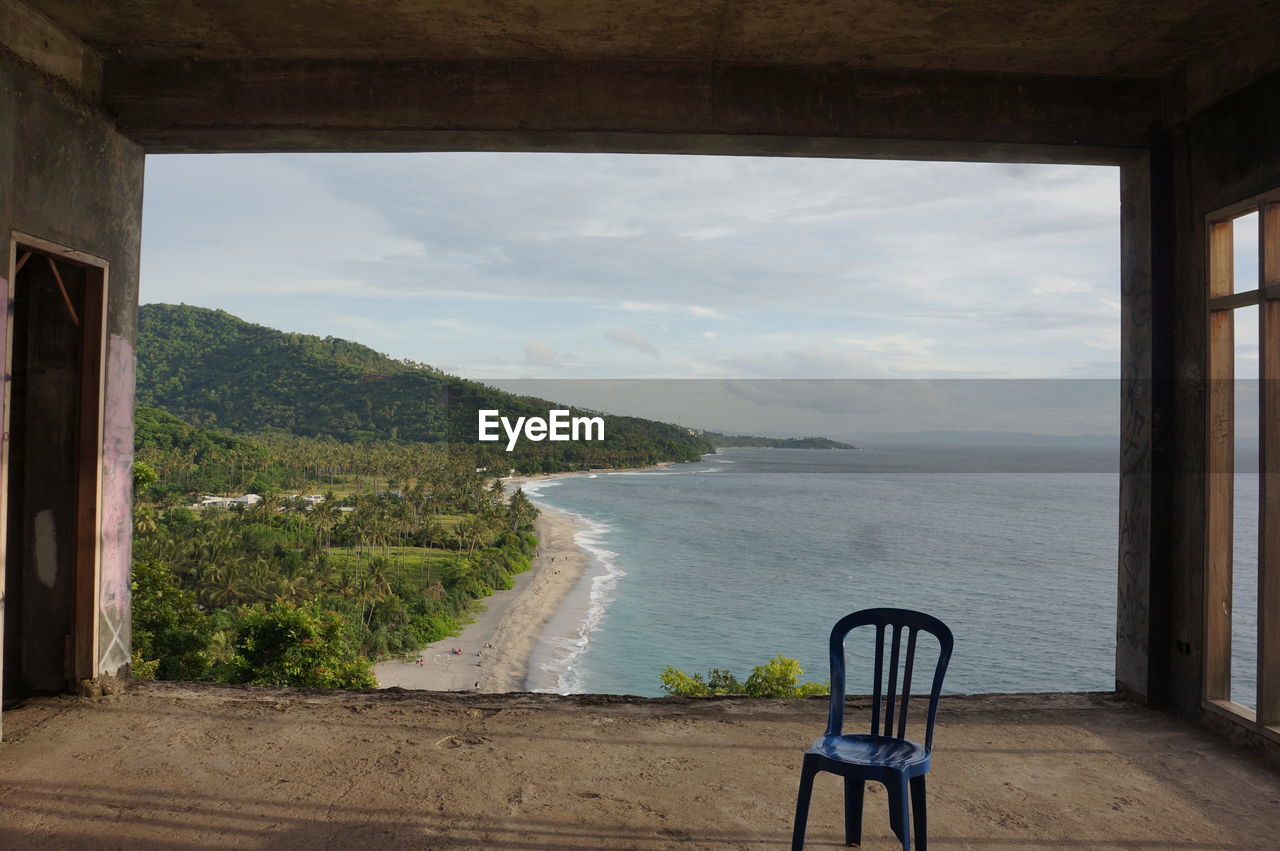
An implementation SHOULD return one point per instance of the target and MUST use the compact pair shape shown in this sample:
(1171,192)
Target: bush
(289,645)
(144,476)
(141,669)
(170,633)
(680,684)
(779,678)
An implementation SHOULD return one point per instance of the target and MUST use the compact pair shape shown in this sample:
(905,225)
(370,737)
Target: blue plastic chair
(889,759)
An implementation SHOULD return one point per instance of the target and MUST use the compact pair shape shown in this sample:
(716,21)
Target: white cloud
(632,338)
(815,361)
(656,307)
(1059,285)
(905,343)
(455,325)
(539,354)
(823,266)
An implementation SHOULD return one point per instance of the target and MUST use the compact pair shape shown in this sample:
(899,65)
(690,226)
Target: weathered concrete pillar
(68,178)
(1223,154)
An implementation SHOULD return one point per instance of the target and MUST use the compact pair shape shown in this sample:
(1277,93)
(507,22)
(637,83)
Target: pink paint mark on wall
(117,506)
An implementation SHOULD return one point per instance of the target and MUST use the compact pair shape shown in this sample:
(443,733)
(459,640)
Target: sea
(749,553)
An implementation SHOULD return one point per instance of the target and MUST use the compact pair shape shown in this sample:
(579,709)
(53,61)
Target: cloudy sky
(497,265)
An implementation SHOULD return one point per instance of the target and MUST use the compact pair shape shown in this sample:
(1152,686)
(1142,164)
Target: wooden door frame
(82,654)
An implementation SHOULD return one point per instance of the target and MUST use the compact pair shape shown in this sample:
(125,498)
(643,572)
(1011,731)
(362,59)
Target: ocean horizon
(748,553)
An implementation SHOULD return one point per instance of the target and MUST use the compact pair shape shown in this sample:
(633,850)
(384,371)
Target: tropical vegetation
(779,678)
(305,591)
(214,370)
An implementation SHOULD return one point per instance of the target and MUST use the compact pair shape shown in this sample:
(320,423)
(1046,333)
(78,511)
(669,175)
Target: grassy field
(423,564)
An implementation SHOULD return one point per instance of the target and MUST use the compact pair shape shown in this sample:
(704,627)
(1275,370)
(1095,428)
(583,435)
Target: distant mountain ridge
(992,438)
(746,441)
(213,369)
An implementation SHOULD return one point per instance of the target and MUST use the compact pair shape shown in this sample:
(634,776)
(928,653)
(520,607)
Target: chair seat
(879,751)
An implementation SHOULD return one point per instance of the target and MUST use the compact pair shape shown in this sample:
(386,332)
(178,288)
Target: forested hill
(213,369)
(744,441)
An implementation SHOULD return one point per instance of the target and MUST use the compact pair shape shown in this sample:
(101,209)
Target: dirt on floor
(172,766)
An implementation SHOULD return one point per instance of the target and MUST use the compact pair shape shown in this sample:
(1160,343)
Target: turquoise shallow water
(749,553)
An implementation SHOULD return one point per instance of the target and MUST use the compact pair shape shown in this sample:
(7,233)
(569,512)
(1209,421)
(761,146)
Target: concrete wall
(67,176)
(1133,586)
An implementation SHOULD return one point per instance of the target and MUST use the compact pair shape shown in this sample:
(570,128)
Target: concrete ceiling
(1125,38)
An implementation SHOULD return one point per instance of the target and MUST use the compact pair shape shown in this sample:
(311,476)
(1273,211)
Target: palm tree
(520,511)
(471,532)
(325,515)
(373,585)
(144,520)
(432,532)
(229,584)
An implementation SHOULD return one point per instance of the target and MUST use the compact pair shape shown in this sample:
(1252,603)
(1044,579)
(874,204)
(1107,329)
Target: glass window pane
(1244,244)
(1244,561)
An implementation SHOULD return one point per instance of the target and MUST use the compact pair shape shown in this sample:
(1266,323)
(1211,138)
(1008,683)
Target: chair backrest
(882,620)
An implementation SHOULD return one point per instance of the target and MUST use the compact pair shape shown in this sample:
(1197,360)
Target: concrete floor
(167,765)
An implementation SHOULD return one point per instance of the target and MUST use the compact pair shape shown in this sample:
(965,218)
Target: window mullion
(1269,445)
(1220,468)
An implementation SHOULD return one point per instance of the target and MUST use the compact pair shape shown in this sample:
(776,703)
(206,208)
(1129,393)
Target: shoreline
(503,636)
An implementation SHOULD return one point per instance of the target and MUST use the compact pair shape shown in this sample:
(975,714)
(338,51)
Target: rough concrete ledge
(167,765)
(629,704)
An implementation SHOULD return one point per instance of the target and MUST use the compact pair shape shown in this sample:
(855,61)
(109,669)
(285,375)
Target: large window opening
(1242,631)
(957,324)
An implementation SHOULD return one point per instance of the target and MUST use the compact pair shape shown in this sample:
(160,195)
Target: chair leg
(899,815)
(919,813)
(807,771)
(853,788)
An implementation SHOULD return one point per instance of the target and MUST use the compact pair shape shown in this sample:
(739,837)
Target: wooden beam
(66,297)
(6,372)
(1221,468)
(88,559)
(1269,444)
(22,261)
(1234,300)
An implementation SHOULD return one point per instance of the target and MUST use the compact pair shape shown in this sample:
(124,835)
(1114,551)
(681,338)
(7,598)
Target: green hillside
(213,369)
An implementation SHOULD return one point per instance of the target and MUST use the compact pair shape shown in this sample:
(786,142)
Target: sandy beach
(503,636)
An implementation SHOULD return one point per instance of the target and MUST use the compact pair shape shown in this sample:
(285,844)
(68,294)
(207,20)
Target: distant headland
(746,441)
